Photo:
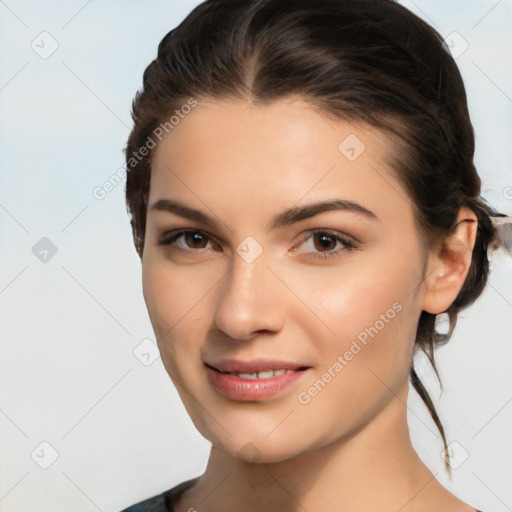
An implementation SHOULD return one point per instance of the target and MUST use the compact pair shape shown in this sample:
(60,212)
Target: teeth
(267,374)
(247,375)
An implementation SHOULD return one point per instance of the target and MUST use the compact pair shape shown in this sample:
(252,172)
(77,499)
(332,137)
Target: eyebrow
(286,218)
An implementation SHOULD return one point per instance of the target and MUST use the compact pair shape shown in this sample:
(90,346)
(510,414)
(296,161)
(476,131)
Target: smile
(253,381)
(266,374)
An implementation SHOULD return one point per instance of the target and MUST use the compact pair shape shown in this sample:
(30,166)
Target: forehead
(236,156)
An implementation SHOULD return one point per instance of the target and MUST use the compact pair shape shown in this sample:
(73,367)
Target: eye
(326,243)
(189,240)
(320,243)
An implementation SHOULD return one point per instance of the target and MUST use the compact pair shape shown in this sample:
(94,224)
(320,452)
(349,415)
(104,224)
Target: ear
(449,263)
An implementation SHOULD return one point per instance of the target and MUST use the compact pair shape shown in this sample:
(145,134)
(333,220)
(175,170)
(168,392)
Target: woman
(304,202)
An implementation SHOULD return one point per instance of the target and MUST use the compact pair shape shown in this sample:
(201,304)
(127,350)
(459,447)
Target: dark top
(163,502)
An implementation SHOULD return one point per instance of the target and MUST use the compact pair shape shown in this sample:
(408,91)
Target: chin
(263,454)
(257,448)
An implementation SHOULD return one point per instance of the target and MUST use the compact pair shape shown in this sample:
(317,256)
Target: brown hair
(369,61)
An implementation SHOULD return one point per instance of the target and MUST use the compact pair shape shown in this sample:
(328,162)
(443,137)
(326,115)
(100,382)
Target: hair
(366,61)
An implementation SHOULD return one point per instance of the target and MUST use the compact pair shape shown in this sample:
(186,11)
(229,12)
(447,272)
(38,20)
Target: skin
(241,165)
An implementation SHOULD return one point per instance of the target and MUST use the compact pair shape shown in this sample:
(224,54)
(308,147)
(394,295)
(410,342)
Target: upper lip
(253,366)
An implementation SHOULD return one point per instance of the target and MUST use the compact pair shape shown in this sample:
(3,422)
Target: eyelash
(348,244)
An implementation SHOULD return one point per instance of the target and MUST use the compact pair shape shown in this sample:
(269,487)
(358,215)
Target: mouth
(253,380)
(255,369)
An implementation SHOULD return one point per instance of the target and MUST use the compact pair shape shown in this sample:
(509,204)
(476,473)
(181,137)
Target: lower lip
(246,390)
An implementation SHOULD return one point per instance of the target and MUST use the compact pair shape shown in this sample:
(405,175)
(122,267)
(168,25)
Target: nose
(249,301)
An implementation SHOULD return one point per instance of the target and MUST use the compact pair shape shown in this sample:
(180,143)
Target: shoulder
(154,504)
(161,502)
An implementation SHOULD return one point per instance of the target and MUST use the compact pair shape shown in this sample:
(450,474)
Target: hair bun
(503,232)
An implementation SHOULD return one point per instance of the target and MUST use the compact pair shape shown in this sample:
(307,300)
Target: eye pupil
(195,240)
(324,242)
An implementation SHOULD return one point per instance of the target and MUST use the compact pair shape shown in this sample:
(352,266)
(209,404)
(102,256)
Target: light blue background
(68,327)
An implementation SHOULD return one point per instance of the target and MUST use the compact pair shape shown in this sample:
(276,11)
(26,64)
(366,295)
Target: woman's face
(282,271)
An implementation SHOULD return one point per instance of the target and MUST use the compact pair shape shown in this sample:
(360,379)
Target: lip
(253,366)
(237,388)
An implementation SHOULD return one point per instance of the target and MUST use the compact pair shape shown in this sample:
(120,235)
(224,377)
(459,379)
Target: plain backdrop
(88,417)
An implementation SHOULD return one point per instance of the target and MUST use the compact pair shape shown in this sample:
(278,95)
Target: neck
(373,469)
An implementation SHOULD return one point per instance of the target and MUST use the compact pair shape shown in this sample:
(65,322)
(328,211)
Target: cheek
(174,303)
(365,364)
(176,300)
(366,311)
(360,295)
(171,294)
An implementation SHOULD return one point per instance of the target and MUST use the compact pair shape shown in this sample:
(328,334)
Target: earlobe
(449,263)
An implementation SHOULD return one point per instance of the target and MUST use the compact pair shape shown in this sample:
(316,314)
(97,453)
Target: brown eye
(324,242)
(189,240)
(195,240)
